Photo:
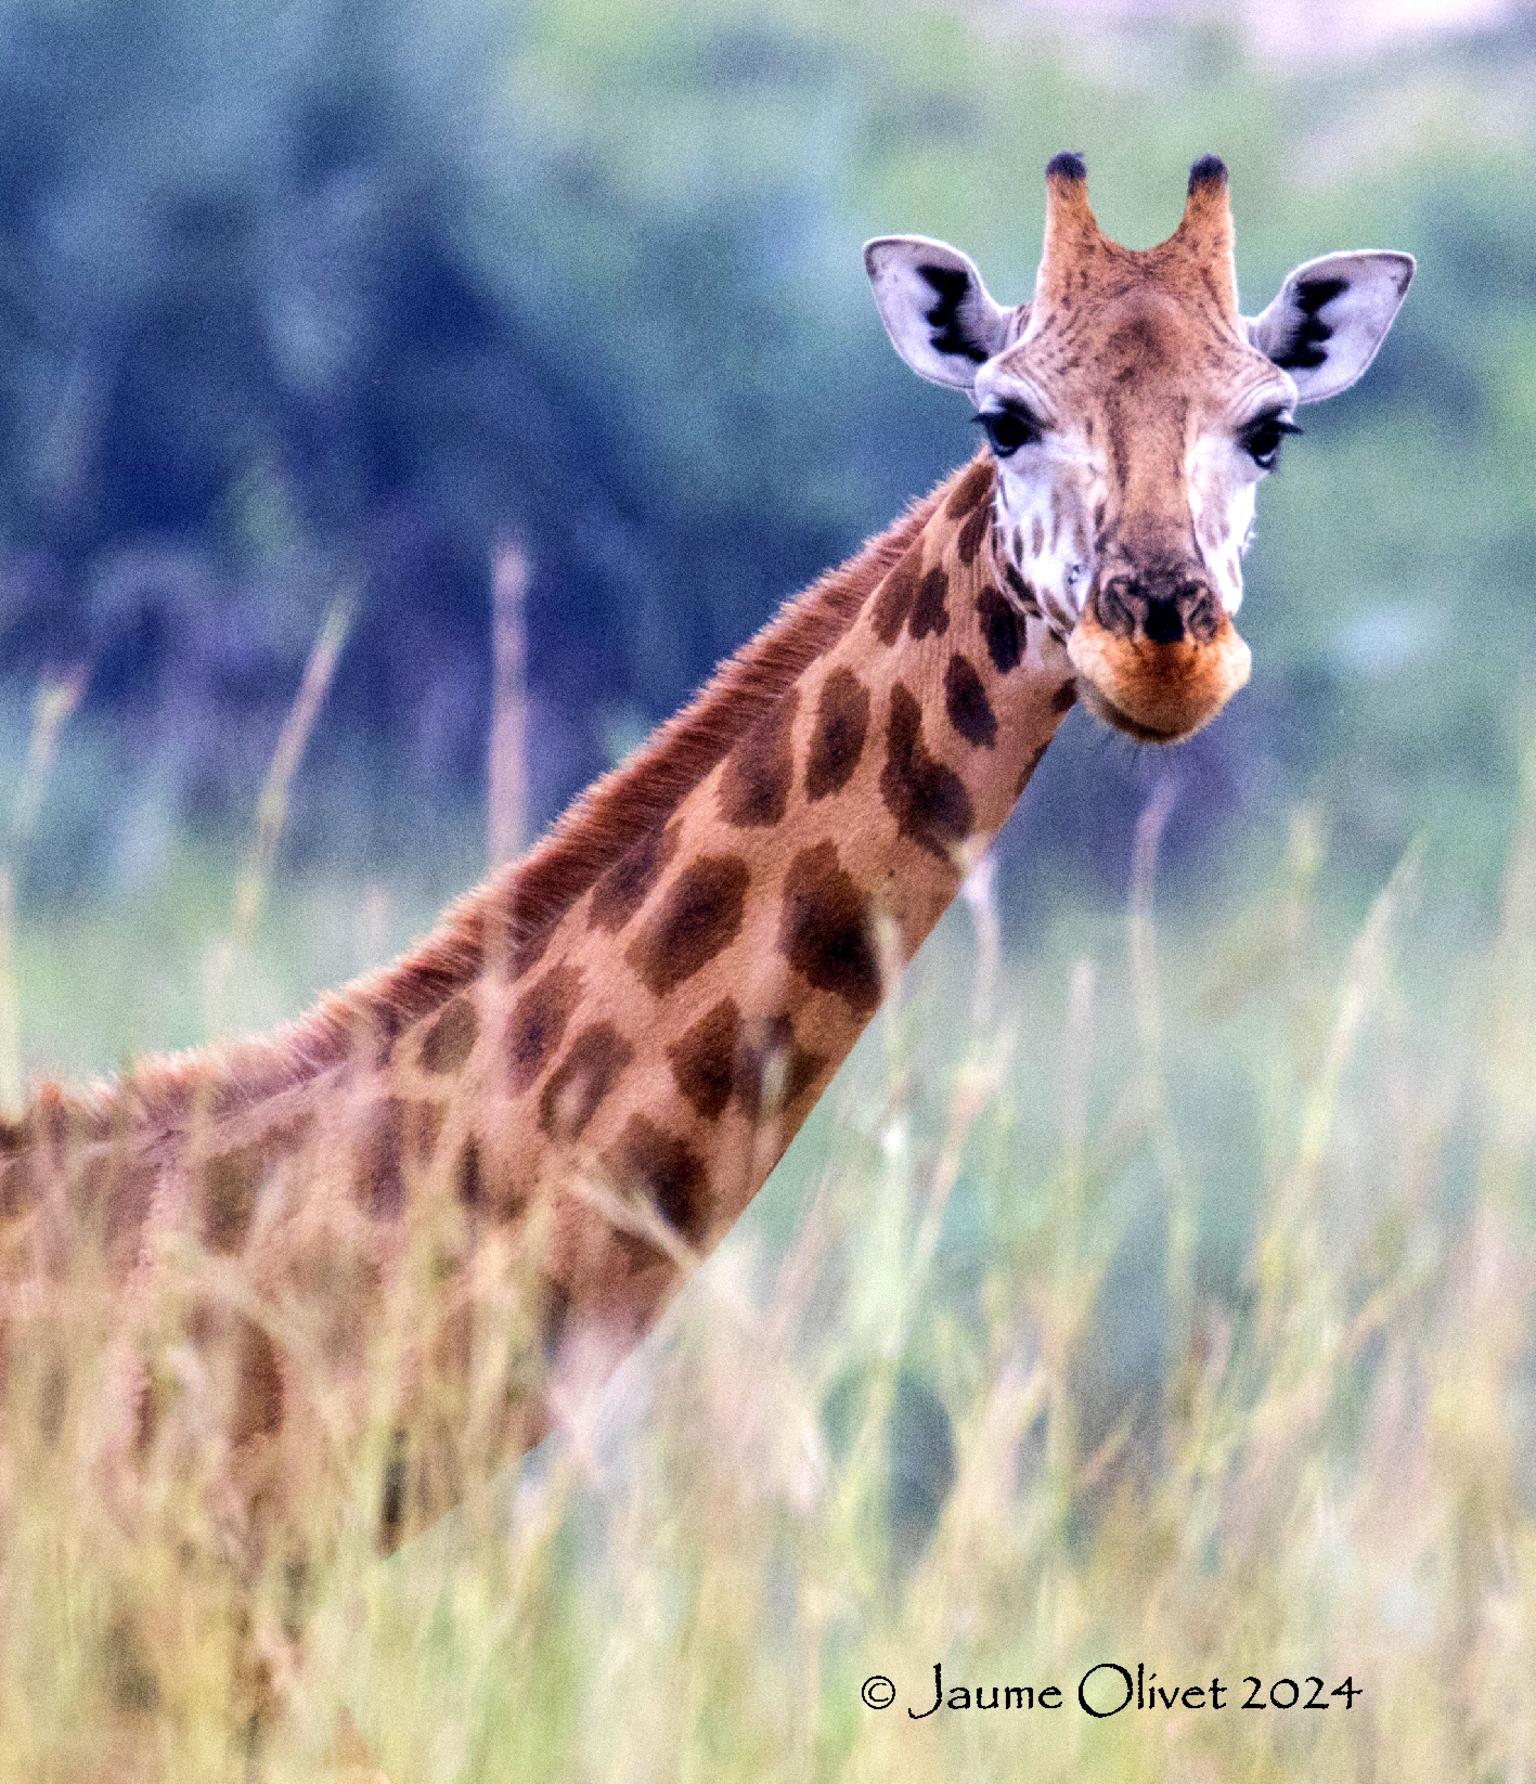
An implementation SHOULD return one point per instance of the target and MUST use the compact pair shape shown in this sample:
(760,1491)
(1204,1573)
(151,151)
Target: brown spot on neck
(648,1161)
(893,600)
(930,614)
(974,532)
(966,703)
(699,915)
(1003,630)
(538,1022)
(1025,600)
(451,1038)
(773,1071)
(582,1079)
(972,488)
(232,1184)
(627,884)
(704,1059)
(380,1188)
(928,801)
(824,929)
(469,1175)
(837,743)
(758,773)
(258,1388)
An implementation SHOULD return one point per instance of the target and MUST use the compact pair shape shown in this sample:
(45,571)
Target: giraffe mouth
(1102,707)
(1156,693)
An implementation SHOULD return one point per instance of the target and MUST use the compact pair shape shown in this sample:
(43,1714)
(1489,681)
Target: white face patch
(1227,463)
(1054,492)
(1048,489)
(1223,489)
(1045,506)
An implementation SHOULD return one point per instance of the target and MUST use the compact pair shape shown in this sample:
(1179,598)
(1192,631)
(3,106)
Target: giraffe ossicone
(590,1067)
(1133,411)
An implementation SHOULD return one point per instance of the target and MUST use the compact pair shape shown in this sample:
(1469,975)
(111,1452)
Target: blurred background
(316,300)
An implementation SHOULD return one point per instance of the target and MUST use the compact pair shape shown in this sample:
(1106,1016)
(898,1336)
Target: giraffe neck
(642,1076)
(610,1046)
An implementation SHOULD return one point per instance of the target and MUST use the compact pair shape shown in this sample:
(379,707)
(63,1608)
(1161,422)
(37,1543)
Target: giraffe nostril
(1162,606)
(1164,620)
(1116,606)
(1202,614)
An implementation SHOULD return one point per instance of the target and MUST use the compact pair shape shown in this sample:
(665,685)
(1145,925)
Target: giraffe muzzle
(1156,654)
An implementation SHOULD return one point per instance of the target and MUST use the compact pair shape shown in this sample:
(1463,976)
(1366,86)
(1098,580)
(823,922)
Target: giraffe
(578,1081)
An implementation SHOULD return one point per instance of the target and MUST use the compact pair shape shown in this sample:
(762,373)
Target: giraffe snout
(1162,607)
(1157,655)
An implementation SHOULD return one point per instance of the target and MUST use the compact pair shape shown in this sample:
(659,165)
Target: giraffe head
(1133,412)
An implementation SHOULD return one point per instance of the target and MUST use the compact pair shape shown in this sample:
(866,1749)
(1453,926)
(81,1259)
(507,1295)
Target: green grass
(1201,1249)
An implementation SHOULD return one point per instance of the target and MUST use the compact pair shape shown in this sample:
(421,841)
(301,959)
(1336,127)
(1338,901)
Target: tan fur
(1157,692)
(601,1054)
(1136,352)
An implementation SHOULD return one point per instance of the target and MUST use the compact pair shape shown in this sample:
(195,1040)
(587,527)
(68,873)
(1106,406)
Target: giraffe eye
(1008,429)
(1261,439)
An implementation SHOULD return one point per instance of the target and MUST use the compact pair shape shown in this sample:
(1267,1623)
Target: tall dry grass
(1165,1299)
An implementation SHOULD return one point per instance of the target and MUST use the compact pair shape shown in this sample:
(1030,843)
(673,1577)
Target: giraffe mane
(516,908)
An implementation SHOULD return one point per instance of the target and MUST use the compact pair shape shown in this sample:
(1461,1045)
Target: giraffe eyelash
(1009,427)
(1263,437)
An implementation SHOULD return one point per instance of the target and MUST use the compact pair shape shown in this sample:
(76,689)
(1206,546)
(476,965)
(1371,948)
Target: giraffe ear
(1330,316)
(939,315)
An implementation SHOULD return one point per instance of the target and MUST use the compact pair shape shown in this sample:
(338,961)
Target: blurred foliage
(313,294)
